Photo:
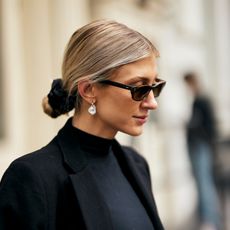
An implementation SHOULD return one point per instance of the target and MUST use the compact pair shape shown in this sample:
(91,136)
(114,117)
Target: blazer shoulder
(49,153)
(40,162)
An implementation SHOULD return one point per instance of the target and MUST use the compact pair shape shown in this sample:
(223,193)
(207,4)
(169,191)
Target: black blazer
(55,188)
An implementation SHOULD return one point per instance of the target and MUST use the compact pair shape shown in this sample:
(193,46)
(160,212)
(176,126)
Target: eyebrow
(142,78)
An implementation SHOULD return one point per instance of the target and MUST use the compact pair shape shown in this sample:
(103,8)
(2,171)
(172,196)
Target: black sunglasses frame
(136,90)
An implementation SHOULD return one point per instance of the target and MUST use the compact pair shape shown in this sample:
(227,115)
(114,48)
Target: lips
(141,116)
(141,119)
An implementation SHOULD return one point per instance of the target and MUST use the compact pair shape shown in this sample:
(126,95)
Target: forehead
(144,68)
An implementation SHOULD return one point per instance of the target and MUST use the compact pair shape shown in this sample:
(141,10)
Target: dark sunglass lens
(141,92)
(157,90)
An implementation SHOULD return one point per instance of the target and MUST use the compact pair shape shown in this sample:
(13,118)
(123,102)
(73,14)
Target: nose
(150,102)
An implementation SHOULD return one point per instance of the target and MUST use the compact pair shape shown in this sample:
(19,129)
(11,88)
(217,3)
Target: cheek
(116,107)
(116,113)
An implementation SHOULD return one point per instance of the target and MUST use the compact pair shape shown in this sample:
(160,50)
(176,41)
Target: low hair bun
(46,106)
(58,101)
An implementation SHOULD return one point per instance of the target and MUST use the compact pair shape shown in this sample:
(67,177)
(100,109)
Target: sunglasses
(139,92)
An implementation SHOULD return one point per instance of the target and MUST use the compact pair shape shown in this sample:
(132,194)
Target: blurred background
(190,35)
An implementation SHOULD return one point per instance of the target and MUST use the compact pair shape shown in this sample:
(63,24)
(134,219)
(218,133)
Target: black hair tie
(59,99)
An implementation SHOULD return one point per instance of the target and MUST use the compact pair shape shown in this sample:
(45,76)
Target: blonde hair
(97,49)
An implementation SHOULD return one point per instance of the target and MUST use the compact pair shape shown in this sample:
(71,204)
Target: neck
(92,125)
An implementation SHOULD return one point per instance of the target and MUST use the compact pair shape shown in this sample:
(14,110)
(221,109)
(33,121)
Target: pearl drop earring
(92,109)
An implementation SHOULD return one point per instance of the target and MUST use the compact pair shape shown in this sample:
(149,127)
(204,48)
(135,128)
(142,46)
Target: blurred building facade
(190,35)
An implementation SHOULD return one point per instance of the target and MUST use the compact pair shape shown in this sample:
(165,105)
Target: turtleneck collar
(90,143)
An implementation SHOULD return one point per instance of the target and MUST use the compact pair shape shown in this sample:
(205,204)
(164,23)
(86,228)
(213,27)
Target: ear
(86,90)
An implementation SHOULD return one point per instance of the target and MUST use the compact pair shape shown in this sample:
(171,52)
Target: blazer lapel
(130,169)
(91,202)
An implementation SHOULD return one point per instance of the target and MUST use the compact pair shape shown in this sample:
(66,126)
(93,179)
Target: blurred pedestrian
(201,138)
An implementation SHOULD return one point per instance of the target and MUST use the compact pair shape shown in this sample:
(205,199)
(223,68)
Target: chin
(135,133)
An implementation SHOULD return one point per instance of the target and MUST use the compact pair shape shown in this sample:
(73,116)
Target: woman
(84,179)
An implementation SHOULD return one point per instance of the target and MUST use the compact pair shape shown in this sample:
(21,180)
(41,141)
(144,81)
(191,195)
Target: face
(116,110)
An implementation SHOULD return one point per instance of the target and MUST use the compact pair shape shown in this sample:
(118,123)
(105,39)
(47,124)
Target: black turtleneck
(124,206)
